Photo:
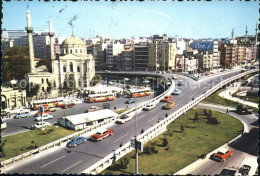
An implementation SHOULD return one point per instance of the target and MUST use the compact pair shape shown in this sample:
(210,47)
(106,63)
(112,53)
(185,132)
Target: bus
(140,92)
(47,103)
(93,98)
(103,90)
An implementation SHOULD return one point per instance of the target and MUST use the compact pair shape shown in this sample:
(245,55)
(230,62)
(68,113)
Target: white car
(39,125)
(44,117)
(124,118)
(149,107)
(176,92)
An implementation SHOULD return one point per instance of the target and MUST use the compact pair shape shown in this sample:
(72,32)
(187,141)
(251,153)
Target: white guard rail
(156,129)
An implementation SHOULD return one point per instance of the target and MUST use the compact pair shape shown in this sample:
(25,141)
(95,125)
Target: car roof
(101,130)
(223,150)
(93,107)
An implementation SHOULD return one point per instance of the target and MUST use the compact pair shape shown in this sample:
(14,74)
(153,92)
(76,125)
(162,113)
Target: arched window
(67,51)
(54,83)
(42,88)
(76,50)
(71,67)
(80,50)
(64,68)
(70,50)
(78,68)
(47,80)
(42,81)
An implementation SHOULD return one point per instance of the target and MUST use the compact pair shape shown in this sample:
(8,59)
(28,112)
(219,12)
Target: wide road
(76,160)
(15,126)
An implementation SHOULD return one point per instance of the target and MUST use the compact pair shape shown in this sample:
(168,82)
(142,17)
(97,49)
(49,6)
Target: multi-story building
(99,52)
(127,60)
(12,34)
(7,43)
(205,61)
(241,54)
(161,55)
(141,57)
(216,54)
(113,49)
(181,46)
(228,55)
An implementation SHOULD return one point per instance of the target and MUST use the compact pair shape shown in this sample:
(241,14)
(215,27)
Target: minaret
(256,34)
(232,33)
(29,30)
(246,34)
(51,34)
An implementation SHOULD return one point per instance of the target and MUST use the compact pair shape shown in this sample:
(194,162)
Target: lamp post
(136,151)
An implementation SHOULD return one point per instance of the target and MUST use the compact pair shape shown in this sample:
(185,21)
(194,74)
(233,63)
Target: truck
(243,109)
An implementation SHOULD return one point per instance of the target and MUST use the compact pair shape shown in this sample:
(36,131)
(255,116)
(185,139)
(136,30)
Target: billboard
(203,46)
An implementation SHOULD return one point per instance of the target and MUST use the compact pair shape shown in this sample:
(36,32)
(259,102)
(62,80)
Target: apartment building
(113,49)
(241,54)
(99,52)
(127,61)
(161,55)
(228,55)
(141,57)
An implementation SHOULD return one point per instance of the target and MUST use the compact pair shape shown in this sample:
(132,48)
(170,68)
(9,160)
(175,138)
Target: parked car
(180,83)
(174,77)
(243,109)
(149,107)
(223,154)
(166,98)
(176,92)
(46,111)
(124,118)
(101,134)
(131,100)
(22,115)
(39,125)
(169,105)
(53,109)
(3,125)
(76,141)
(71,105)
(92,108)
(44,117)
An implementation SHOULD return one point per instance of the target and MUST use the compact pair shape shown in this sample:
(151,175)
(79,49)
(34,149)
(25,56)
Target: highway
(15,126)
(76,160)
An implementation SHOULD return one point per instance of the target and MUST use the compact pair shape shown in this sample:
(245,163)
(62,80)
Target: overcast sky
(126,19)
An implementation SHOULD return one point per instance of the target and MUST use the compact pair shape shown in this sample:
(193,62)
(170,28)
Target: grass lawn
(185,147)
(16,144)
(122,110)
(216,99)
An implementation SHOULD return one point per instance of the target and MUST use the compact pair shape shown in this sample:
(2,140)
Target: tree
(15,63)
(32,90)
(124,162)
(196,117)
(182,128)
(49,88)
(165,142)
(209,114)
(205,112)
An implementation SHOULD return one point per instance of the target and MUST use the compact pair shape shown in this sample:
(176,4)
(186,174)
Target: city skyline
(127,19)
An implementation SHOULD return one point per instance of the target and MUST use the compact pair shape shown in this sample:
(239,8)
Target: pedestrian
(142,131)
(227,111)
(121,144)
(166,115)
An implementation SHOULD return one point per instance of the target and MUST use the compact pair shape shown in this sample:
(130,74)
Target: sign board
(202,46)
(106,105)
(136,143)
(41,109)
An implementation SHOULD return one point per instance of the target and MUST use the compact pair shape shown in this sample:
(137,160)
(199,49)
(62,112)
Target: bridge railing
(157,128)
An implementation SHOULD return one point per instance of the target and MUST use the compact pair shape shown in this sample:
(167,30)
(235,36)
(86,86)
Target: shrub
(205,112)
(32,142)
(213,121)
(149,149)
(124,162)
(42,133)
(165,142)
(182,128)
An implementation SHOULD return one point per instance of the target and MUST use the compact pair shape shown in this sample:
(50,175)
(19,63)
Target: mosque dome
(73,41)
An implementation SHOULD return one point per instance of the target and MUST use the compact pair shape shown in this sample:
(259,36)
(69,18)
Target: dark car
(76,141)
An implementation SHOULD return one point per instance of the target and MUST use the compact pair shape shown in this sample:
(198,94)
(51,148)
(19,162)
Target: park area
(187,139)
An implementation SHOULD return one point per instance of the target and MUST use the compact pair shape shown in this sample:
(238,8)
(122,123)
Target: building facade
(141,57)
(11,98)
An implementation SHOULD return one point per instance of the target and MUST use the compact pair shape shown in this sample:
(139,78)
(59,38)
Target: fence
(156,129)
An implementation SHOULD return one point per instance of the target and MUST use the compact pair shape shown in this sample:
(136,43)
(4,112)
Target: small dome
(73,41)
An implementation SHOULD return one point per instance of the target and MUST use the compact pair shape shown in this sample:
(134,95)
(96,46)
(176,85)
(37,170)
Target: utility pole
(136,150)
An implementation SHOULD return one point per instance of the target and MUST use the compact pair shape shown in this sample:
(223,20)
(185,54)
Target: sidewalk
(227,94)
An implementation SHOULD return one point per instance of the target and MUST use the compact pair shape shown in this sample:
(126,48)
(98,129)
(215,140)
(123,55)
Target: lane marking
(121,137)
(53,161)
(141,116)
(152,119)
(71,166)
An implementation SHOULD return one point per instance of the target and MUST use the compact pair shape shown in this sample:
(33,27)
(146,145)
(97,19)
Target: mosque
(72,64)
